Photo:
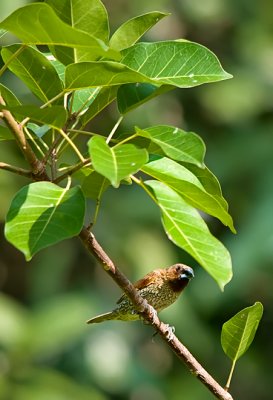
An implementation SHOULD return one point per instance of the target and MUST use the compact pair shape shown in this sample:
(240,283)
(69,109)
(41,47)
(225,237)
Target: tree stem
(37,167)
(150,316)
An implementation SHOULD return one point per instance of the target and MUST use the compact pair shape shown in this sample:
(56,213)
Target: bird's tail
(102,317)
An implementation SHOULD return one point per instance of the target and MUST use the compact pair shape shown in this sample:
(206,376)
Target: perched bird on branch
(160,288)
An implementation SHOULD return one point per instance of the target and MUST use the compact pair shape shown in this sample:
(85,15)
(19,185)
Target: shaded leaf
(35,70)
(104,97)
(133,29)
(239,331)
(94,185)
(185,227)
(189,187)
(42,214)
(54,116)
(8,96)
(115,163)
(176,143)
(39,131)
(132,95)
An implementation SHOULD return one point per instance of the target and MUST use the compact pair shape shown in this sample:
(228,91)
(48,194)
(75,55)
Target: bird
(160,288)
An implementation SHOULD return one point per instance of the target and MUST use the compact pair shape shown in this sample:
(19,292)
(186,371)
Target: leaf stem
(230,375)
(74,147)
(126,139)
(111,134)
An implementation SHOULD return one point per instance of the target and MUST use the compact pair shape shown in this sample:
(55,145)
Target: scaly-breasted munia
(160,288)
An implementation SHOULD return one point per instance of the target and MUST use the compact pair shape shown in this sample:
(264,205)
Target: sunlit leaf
(239,331)
(115,163)
(89,16)
(185,227)
(180,63)
(185,183)
(177,63)
(48,29)
(176,143)
(42,214)
(133,29)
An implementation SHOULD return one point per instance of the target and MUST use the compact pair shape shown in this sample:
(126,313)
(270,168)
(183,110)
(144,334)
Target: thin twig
(111,134)
(16,170)
(71,170)
(37,167)
(149,315)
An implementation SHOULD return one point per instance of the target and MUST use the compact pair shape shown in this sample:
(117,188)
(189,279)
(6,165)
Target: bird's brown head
(178,276)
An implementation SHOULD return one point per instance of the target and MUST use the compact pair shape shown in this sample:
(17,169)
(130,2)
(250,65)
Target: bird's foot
(170,332)
(153,314)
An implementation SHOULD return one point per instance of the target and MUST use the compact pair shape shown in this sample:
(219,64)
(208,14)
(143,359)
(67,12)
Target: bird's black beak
(187,274)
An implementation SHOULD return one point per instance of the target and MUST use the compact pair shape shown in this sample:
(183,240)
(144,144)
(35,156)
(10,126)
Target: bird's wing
(147,280)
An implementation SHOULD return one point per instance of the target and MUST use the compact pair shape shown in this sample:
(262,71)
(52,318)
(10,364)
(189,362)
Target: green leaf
(208,180)
(115,163)
(89,16)
(133,29)
(176,143)
(177,63)
(239,331)
(132,95)
(81,99)
(185,227)
(48,29)
(39,131)
(100,73)
(59,67)
(185,183)
(94,185)
(8,96)
(5,133)
(180,63)
(42,214)
(104,97)
(35,70)
(54,116)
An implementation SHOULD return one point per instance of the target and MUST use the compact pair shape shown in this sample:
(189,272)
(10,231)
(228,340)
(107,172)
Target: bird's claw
(169,332)
(153,314)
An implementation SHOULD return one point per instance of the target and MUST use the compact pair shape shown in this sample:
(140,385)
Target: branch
(149,315)
(72,169)
(37,167)
(16,170)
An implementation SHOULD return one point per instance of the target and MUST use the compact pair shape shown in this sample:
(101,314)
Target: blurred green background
(46,350)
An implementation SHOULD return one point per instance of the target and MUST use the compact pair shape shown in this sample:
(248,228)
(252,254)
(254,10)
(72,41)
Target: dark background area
(46,350)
